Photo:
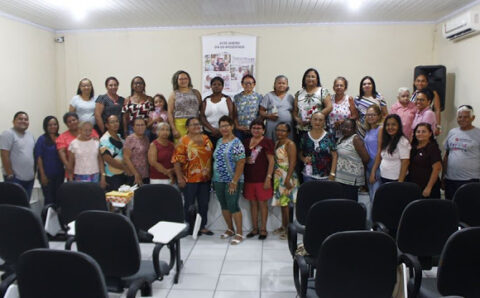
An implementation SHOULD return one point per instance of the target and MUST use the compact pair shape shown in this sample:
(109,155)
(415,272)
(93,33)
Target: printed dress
(340,111)
(281,195)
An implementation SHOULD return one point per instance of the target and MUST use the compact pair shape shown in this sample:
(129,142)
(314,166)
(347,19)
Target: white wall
(27,73)
(40,76)
(382,51)
(462,59)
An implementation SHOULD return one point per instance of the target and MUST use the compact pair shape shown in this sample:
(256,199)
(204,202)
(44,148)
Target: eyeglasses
(248,83)
(138,83)
(195,124)
(281,130)
(225,126)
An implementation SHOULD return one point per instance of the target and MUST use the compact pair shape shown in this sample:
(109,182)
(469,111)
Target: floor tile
(275,244)
(166,283)
(276,283)
(277,255)
(278,295)
(196,282)
(277,268)
(241,267)
(238,294)
(251,243)
(202,266)
(239,253)
(239,283)
(208,253)
(190,294)
(212,241)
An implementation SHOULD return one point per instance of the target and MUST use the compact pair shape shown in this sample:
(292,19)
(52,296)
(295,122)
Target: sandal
(283,236)
(263,235)
(237,239)
(227,234)
(279,231)
(253,233)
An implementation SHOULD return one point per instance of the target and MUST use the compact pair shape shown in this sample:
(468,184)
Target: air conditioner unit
(465,24)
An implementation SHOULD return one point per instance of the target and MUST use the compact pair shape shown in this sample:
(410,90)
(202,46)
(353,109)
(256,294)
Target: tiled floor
(214,268)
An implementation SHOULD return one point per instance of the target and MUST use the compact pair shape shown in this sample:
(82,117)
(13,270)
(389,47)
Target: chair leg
(178,261)
(146,289)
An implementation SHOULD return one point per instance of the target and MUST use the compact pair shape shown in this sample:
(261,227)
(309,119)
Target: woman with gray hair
(160,156)
(277,106)
(406,110)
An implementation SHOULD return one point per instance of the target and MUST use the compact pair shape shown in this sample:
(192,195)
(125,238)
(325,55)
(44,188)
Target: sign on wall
(229,57)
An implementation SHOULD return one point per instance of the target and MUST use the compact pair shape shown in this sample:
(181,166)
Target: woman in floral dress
(285,183)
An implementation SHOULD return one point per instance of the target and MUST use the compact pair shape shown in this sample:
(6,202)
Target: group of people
(261,146)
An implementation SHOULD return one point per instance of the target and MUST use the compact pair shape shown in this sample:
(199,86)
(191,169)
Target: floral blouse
(320,151)
(196,159)
(247,107)
(225,159)
(309,103)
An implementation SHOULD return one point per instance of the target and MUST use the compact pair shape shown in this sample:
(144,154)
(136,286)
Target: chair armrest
(6,283)
(412,263)
(156,260)
(292,238)
(134,287)
(379,226)
(69,242)
(184,233)
(300,227)
(463,225)
(45,210)
(144,236)
(300,275)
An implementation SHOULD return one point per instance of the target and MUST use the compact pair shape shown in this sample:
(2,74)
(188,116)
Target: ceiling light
(354,4)
(78,9)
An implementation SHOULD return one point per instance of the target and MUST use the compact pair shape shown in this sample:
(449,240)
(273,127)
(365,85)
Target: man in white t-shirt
(461,163)
(16,145)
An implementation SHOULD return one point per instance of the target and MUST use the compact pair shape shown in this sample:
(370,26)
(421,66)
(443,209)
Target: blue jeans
(50,190)
(201,191)
(27,185)
(372,188)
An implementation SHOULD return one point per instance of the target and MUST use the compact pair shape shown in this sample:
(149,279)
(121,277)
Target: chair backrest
(13,194)
(390,200)
(467,199)
(425,226)
(20,230)
(458,272)
(313,191)
(154,203)
(111,239)
(331,216)
(359,264)
(59,273)
(75,197)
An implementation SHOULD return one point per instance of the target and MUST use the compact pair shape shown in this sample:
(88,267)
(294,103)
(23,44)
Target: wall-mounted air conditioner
(463,25)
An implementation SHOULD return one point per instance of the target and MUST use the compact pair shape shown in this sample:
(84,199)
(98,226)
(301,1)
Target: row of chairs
(363,264)
(421,227)
(111,239)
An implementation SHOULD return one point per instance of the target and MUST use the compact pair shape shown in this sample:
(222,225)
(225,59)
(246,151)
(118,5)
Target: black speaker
(437,79)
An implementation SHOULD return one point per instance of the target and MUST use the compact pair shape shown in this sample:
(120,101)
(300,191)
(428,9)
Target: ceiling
(66,15)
